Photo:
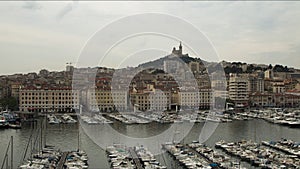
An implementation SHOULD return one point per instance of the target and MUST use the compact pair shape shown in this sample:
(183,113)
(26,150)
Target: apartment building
(106,100)
(151,100)
(189,99)
(239,89)
(195,100)
(274,100)
(48,99)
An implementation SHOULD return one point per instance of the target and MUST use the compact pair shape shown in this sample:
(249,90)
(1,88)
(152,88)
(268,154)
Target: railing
(5,162)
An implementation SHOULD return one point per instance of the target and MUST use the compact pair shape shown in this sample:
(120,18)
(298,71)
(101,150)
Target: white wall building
(239,89)
(48,100)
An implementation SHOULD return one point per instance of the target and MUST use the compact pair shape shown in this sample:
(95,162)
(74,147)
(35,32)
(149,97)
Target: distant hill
(229,67)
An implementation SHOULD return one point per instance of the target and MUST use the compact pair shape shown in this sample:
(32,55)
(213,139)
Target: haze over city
(36,35)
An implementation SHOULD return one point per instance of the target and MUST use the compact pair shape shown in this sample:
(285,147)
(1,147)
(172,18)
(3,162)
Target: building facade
(106,100)
(48,100)
(151,100)
(274,100)
(239,89)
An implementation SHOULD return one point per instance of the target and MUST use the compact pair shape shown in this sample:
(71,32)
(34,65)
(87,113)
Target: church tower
(180,48)
(179,51)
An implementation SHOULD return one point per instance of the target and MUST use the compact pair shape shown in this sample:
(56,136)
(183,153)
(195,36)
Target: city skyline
(49,34)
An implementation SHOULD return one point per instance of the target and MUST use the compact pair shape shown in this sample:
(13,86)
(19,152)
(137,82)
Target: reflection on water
(65,137)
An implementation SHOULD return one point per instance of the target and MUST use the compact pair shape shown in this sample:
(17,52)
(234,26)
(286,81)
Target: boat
(53,119)
(68,119)
(294,123)
(15,126)
(3,122)
(213,119)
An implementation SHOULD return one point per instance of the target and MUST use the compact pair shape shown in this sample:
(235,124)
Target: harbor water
(69,136)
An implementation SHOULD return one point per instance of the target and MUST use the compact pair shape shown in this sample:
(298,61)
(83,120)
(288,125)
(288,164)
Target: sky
(37,35)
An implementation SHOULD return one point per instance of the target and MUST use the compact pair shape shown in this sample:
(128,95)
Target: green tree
(10,103)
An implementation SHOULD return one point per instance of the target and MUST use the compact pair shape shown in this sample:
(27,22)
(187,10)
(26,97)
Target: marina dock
(185,157)
(62,160)
(221,161)
(258,155)
(284,145)
(135,158)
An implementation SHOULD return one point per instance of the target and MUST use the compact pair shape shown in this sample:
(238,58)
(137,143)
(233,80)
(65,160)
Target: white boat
(71,121)
(213,119)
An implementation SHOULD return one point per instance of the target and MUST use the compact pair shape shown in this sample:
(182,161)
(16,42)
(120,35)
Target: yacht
(3,122)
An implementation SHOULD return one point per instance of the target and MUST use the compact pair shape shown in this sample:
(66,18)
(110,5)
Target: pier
(135,158)
(258,155)
(62,160)
(220,161)
(207,159)
(185,156)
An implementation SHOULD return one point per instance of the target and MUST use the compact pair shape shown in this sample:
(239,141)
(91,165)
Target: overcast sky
(36,35)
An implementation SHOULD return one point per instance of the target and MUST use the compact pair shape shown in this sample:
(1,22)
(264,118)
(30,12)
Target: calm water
(65,137)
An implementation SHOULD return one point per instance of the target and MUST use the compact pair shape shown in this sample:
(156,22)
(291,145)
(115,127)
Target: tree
(10,103)
(250,68)
(270,66)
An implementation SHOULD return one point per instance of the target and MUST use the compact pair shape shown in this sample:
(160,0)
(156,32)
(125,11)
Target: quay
(62,160)
(128,118)
(135,158)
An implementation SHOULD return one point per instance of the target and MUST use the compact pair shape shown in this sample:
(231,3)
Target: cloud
(31,5)
(68,8)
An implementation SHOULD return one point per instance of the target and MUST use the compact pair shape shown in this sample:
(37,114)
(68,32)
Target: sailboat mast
(12,152)
(78,135)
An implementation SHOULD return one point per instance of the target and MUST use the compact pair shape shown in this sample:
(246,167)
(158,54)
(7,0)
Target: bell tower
(180,48)
(179,51)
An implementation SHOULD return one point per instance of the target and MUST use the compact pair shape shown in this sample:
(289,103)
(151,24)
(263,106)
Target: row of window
(98,98)
(45,107)
(109,94)
(42,94)
(46,98)
(46,102)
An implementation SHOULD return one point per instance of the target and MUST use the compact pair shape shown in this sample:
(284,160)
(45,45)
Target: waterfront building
(155,100)
(195,100)
(205,98)
(239,89)
(105,100)
(34,99)
(219,84)
(274,99)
